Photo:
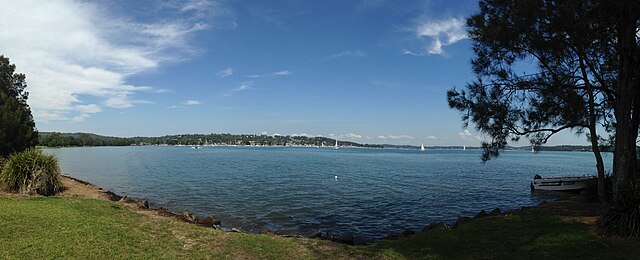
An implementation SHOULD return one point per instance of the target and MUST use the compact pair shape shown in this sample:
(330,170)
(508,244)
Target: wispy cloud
(411,53)
(225,73)
(348,54)
(354,136)
(441,33)
(395,137)
(431,137)
(464,134)
(97,54)
(467,135)
(282,73)
(192,102)
(242,86)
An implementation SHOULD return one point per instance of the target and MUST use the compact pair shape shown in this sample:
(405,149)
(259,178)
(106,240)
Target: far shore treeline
(56,139)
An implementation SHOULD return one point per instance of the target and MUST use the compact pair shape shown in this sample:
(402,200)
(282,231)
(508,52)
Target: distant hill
(55,139)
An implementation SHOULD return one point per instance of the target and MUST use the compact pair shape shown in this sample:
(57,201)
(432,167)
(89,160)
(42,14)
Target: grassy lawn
(528,234)
(56,227)
(62,227)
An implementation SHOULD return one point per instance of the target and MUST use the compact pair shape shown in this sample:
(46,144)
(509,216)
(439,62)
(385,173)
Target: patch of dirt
(573,205)
(80,189)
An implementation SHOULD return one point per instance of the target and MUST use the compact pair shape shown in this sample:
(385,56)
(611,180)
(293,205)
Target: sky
(369,71)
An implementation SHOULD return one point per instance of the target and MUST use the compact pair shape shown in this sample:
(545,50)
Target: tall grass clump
(31,172)
(623,218)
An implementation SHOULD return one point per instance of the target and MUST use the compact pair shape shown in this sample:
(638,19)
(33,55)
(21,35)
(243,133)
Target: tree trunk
(593,134)
(626,105)
(602,185)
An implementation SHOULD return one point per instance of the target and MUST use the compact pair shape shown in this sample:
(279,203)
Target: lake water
(378,191)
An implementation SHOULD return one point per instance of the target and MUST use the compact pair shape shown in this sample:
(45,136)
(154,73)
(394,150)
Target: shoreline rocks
(348,238)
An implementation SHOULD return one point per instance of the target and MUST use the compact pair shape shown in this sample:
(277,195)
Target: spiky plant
(624,217)
(31,172)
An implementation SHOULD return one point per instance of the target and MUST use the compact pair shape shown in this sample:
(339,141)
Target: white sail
(422,147)
(336,145)
(464,147)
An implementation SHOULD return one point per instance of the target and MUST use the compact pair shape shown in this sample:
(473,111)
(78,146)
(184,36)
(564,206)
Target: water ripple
(377,192)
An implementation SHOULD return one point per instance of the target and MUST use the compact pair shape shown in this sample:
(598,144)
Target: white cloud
(354,136)
(431,137)
(354,54)
(410,53)
(91,108)
(274,74)
(192,103)
(80,118)
(240,87)
(70,50)
(467,135)
(464,134)
(225,72)
(442,33)
(395,137)
(282,73)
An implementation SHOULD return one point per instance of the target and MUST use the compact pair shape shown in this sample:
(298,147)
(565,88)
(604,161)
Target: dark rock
(495,212)
(439,225)
(164,212)
(392,237)
(116,207)
(188,216)
(460,221)
(126,199)
(314,234)
(112,196)
(143,204)
(481,214)
(210,222)
(266,232)
(288,233)
(543,202)
(348,239)
(408,232)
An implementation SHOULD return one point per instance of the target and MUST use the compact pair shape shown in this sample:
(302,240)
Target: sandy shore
(81,189)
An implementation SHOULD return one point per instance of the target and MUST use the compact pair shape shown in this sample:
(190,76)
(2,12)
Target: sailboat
(336,145)
(422,147)
(464,147)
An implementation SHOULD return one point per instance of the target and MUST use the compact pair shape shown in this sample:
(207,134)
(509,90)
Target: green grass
(529,234)
(57,227)
(73,228)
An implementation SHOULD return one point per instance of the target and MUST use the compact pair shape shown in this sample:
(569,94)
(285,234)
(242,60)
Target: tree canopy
(17,128)
(547,66)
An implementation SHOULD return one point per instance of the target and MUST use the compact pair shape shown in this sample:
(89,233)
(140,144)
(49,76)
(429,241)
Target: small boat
(336,145)
(464,147)
(422,147)
(560,183)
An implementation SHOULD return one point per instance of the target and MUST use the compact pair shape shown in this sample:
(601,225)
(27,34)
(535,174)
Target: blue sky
(371,71)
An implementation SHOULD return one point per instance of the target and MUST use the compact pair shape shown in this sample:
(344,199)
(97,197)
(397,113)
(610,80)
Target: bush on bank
(31,172)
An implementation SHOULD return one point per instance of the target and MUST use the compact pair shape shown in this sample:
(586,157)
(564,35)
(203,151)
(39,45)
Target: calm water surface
(378,191)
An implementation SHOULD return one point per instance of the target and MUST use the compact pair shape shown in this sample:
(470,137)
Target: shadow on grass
(529,233)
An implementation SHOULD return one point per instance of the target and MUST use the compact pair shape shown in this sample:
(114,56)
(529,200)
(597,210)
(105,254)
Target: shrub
(31,172)
(624,217)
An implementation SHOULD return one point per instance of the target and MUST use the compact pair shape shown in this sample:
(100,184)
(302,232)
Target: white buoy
(336,177)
